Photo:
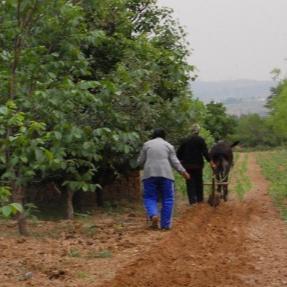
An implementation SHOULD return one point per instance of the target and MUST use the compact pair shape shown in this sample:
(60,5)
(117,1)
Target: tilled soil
(76,253)
(238,244)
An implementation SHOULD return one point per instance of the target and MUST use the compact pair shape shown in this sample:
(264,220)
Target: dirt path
(239,244)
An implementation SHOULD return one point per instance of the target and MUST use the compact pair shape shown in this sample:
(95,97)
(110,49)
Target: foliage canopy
(82,85)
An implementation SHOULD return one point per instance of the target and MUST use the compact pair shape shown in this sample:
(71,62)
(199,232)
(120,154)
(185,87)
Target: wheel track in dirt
(237,244)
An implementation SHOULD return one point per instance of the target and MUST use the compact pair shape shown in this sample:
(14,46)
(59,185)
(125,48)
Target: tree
(83,84)
(141,53)
(218,122)
(275,92)
(277,103)
(39,96)
(7,209)
(278,118)
(254,130)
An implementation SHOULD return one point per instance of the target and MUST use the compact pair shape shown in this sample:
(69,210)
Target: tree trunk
(70,207)
(17,197)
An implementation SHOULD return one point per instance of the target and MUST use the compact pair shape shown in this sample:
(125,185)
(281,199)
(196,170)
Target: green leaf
(3,110)
(39,154)
(49,155)
(7,210)
(17,207)
(24,159)
(14,161)
(2,158)
(58,135)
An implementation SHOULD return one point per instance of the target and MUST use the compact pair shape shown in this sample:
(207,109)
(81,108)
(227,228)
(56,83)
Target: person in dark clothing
(191,153)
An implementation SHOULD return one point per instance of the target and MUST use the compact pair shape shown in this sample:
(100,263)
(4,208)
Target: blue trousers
(155,189)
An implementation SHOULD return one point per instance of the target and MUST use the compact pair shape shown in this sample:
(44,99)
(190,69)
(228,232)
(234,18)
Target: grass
(82,275)
(207,177)
(74,253)
(274,167)
(90,230)
(180,184)
(100,254)
(243,183)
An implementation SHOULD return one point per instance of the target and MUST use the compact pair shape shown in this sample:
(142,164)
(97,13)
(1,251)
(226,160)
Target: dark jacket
(192,151)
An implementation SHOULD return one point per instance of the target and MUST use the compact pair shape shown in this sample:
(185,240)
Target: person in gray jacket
(158,157)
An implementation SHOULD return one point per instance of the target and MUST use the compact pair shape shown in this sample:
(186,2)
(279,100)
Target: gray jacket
(158,157)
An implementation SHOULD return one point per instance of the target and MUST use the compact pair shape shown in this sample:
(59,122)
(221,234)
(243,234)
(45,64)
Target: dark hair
(158,133)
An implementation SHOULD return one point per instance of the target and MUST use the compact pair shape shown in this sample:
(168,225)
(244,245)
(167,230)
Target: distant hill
(239,96)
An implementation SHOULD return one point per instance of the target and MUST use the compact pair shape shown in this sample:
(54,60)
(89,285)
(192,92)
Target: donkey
(221,155)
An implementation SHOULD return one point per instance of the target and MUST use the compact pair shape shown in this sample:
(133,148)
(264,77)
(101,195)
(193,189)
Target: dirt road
(239,244)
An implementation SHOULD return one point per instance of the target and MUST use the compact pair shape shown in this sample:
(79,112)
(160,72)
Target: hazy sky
(234,39)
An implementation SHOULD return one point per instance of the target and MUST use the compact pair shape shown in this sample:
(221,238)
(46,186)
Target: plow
(217,187)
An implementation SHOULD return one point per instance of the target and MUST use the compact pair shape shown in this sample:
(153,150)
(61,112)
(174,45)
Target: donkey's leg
(220,189)
(225,190)
(225,193)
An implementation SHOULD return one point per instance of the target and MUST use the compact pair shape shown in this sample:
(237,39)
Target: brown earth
(239,243)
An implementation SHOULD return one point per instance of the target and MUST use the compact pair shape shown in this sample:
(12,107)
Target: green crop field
(242,182)
(274,168)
